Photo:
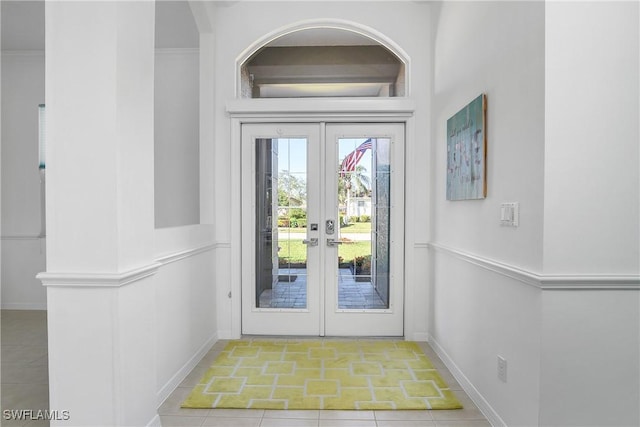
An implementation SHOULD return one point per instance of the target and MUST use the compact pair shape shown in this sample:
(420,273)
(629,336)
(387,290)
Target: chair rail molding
(167,259)
(97,280)
(545,281)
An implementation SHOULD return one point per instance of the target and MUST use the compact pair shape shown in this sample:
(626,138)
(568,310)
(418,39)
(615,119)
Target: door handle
(332,242)
(311,242)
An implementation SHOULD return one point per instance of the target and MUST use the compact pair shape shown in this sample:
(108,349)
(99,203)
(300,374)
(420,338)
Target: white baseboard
(182,373)
(419,336)
(227,335)
(473,393)
(23,306)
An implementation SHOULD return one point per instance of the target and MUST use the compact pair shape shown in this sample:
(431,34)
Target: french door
(323,229)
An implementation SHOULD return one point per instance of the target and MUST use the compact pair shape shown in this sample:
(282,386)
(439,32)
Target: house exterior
(140,267)
(358,206)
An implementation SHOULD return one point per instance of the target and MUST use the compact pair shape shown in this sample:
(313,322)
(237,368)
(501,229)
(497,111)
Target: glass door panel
(364,289)
(363,201)
(281,221)
(280,280)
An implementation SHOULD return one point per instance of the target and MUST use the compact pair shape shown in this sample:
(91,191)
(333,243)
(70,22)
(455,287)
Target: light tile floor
(172,415)
(25,386)
(24,370)
(292,293)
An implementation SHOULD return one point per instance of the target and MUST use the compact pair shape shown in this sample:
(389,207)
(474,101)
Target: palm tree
(353,184)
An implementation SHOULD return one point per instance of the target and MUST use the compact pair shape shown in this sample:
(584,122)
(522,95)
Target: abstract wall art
(467,152)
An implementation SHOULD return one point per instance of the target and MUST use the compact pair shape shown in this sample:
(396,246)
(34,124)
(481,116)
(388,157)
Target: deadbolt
(330,227)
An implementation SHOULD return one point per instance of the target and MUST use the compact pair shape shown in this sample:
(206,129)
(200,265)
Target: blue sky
(292,154)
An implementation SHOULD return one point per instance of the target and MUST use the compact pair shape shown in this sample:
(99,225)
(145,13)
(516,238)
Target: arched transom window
(323,62)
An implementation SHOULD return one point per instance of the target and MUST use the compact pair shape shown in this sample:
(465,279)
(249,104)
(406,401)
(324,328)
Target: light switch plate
(509,214)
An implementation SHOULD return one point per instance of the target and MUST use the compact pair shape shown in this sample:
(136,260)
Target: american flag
(351,160)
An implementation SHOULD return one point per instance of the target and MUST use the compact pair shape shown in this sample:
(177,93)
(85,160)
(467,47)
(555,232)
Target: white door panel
(323,229)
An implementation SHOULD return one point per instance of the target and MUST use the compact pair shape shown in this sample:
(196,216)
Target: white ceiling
(23,28)
(175,26)
(22,25)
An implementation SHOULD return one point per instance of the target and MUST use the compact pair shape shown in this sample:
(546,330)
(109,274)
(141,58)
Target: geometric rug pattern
(322,374)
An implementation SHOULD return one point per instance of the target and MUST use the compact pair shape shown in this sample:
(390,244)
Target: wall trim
(23,52)
(178,256)
(97,280)
(545,281)
(24,306)
(23,237)
(473,393)
(182,373)
(326,109)
(222,245)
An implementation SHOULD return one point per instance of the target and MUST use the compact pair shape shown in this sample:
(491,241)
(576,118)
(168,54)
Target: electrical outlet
(502,369)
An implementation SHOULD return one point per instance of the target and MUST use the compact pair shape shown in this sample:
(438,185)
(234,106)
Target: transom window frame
(335,24)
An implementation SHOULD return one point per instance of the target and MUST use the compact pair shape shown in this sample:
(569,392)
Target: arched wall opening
(323,58)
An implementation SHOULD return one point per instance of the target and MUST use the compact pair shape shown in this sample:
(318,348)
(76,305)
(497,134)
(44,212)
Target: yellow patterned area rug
(322,374)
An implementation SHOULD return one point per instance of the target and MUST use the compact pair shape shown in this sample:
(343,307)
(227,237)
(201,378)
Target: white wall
(137,300)
(496,48)
(479,311)
(23,254)
(260,19)
(185,319)
(185,288)
(176,123)
(592,202)
(557,296)
(590,363)
(100,260)
(148,330)
(592,215)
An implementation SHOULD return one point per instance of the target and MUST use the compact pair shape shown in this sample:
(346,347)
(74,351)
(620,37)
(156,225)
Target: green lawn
(356,227)
(294,251)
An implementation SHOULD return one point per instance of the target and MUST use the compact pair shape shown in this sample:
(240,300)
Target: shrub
(284,222)
(365,218)
(296,213)
(363,263)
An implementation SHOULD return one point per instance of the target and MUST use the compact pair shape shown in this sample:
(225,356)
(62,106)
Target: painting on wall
(467,152)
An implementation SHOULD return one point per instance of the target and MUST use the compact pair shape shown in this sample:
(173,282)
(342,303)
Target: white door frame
(376,322)
(306,320)
(347,110)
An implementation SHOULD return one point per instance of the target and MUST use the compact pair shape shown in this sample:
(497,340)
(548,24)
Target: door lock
(311,242)
(330,226)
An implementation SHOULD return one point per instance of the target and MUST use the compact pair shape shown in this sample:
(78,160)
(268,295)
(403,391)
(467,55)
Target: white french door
(323,229)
